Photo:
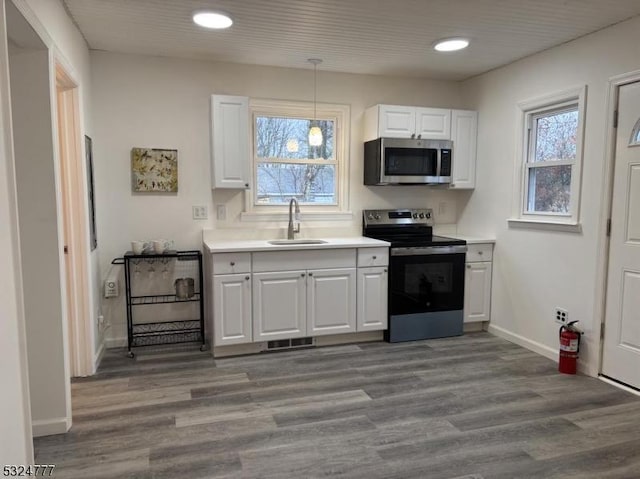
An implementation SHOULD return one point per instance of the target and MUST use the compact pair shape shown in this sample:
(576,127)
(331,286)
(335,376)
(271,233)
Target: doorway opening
(74,222)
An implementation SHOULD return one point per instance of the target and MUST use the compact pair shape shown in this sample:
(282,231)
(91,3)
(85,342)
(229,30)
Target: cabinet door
(279,305)
(477,292)
(230,141)
(231,309)
(396,121)
(433,123)
(331,301)
(372,299)
(464,133)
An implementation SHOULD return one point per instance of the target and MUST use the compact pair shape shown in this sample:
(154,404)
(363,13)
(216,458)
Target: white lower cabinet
(331,301)
(279,305)
(372,299)
(232,309)
(326,292)
(477,292)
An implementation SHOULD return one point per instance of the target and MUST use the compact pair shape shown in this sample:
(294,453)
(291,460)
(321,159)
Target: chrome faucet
(291,232)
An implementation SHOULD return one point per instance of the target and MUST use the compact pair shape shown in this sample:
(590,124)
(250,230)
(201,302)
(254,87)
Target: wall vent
(290,343)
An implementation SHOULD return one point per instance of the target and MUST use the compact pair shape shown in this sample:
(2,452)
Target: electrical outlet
(221,212)
(442,208)
(562,316)
(199,212)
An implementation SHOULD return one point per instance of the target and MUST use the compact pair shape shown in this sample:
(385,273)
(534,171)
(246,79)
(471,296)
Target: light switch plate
(200,212)
(221,212)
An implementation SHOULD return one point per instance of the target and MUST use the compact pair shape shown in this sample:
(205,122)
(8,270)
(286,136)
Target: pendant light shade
(315,136)
(315,133)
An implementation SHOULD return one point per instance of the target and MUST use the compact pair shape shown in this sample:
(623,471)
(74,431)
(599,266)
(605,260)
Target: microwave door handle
(438,161)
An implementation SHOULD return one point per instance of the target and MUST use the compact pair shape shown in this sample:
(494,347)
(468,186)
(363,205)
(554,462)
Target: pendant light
(315,133)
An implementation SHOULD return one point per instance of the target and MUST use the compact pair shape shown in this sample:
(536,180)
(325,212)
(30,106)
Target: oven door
(424,280)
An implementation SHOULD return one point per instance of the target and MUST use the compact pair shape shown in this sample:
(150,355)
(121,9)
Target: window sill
(544,225)
(566,227)
(304,216)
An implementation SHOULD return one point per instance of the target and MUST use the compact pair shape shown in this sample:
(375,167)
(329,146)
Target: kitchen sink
(297,241)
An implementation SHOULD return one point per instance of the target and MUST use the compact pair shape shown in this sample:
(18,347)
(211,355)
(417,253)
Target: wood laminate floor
(472,407)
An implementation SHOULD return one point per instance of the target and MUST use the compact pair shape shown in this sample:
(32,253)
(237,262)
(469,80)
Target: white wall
(536,271)
(141,101)
(15,425)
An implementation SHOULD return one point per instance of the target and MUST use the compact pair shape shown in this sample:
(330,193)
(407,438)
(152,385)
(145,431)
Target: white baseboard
(111,343)
(534,346)
(97,358)
(49,427)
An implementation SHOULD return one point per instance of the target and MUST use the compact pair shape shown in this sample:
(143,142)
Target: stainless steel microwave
(407,161)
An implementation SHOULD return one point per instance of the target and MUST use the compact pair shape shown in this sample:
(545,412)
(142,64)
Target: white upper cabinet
(230,152)
(393,121)
(433,123)
(464,132)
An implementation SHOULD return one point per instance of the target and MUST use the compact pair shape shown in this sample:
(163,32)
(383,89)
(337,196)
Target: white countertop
(234,246)
(473,239)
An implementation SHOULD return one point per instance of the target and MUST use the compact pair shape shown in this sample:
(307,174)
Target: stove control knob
(415,215)
(370,216)
(428,215)
(377,216)
(421,215)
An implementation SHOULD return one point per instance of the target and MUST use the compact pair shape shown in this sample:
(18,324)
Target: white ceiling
(389,37)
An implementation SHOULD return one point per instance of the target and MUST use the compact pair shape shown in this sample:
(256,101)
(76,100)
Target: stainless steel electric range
(426,274)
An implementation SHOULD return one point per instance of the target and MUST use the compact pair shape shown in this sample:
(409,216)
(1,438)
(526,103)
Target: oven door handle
(428,250)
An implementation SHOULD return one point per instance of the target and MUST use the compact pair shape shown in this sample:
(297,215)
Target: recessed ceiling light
(209,19)
(451,44)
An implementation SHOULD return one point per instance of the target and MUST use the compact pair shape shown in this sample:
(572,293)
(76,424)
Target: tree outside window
(552,154)
(288,167)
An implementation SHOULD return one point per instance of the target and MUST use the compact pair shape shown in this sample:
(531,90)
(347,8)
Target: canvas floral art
(154,170)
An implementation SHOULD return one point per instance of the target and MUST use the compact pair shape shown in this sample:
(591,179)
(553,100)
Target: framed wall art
(154,170)
(88,151)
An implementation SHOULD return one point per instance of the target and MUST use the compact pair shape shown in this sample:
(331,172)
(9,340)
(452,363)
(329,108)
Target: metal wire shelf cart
(165,331)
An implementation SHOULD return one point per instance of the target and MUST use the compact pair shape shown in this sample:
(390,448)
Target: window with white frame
(286,166)
(552,157)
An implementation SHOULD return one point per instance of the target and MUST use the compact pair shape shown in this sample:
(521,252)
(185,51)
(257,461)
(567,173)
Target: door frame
(614,85)
(72,173)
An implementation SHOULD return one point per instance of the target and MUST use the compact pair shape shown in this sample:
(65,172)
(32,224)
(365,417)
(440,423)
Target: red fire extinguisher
(569,348)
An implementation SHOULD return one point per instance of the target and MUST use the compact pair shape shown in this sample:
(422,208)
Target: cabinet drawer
(479,252)
(230,263)
(373,257)
(303,260)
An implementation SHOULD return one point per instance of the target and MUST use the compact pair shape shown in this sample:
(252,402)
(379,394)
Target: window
(552,157)
(285,166)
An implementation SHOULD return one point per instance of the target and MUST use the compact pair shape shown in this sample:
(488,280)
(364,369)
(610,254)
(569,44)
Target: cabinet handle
(247,278)
(413,135)
(419,137)
(374,257)
(480,253)
(232,263)
(385,270)
(451,185)
(468,266)
(246,185)
(302,274)
(310,274)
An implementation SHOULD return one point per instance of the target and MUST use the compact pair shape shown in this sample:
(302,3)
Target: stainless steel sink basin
(297,241)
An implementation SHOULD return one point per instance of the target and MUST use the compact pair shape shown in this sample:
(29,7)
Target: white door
(621,355)
(372,299)
(231,309)
(331,301)
(433,123)
(397,121)
(279,305)
(230,141)
(464,132)
(477,292)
